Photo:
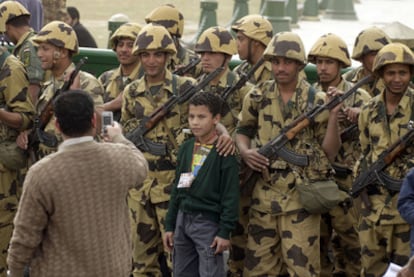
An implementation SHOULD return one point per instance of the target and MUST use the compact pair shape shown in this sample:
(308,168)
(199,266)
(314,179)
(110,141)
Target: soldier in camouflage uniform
(154,47)
(216,47)
(16,115)
(283,238)
(366,46)
(57,43)
(384,235)
(115,80)
(253,34)
(14,21)
(173,20)
(53,10)
(330,55)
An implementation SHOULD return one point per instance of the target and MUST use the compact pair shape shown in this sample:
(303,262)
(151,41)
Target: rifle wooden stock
(248,176)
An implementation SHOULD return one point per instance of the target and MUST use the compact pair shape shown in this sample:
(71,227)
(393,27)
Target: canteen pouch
(12,156)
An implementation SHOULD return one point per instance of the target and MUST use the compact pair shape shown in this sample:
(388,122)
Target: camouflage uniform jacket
(264,115)
(13,96)
(349,152)
(231,111)
(138,102)
(262,74)
(114,82)
(377,132)
(26,52)
(357,74)
(88,83)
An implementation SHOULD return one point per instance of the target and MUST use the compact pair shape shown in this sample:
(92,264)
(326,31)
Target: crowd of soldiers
(276,235)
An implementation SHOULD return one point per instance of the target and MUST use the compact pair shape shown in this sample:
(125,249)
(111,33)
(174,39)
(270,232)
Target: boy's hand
(168,241)
(220,244)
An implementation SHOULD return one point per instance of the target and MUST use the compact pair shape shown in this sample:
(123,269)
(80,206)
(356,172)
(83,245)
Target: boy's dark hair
(19,21)
(212,101)
(74,110)
(73,12)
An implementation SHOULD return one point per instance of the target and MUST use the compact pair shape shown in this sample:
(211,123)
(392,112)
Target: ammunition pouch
(12,156)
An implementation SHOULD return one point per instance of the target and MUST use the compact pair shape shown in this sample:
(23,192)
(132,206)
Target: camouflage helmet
(370,39)
(127,30)
(393,53)
(59,34)
(216,39)
(330,46)
(286,44)
(169,17)
(256,27)
(10,10)
(154,37)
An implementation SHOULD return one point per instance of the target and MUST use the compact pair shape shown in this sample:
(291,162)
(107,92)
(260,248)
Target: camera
(107,119)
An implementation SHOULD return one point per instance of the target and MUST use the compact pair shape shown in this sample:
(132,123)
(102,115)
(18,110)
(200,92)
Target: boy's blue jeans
(192,254)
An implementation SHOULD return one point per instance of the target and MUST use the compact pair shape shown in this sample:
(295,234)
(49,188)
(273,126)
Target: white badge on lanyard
(186,179)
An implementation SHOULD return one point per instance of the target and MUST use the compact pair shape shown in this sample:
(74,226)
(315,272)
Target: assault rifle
(187,68)
(244,77)
(375,173)
(276,147)
(38,135)
(149,122)
(349,132)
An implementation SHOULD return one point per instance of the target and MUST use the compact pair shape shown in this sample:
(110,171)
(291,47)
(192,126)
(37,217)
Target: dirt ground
(96,13)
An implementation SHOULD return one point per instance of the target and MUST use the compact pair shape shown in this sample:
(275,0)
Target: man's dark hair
(73,12)
(74,110)
(212,101)
(19,21)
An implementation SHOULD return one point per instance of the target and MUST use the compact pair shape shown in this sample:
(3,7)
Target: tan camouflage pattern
(330,46)
(393,53)
(26,52)
(149,203)
(264,115)
(216,39)
(169,17)
(13,97)
(59,34)
(254,26)
(183,57)
(154,37)
(234,102)
(88,83)
(263,73)
(128,30)
(338,227)
(286,44)
(392,234)
(368,40)
(10,10)
(53,10)
(373,88)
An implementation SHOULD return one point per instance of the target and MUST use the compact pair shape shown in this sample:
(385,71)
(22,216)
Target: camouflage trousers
(147,222)
(338,234)
(10,191)
(381,245)
(238,239)
(282,245)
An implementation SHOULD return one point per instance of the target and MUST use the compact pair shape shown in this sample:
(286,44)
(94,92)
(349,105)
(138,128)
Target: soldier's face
(285,70)
(154,63)
(368,60)
(396,77)
(328,70)
(124,51)
(202,122)
(47,55)
(242,45)
(212,60)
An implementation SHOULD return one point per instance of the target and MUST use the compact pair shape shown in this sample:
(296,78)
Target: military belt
(161,165)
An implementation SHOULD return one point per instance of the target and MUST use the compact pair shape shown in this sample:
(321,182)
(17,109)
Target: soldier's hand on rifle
(332,93)
(112,131)
(254,160)
(352,114)
(22,140)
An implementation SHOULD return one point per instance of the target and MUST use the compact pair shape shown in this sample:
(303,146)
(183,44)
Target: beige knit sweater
(73,217)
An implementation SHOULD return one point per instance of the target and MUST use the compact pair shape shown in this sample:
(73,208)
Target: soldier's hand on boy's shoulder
(220,244)
(225,145)
(168,241)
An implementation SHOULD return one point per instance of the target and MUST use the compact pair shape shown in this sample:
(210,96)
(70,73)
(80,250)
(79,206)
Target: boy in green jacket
(203,208)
